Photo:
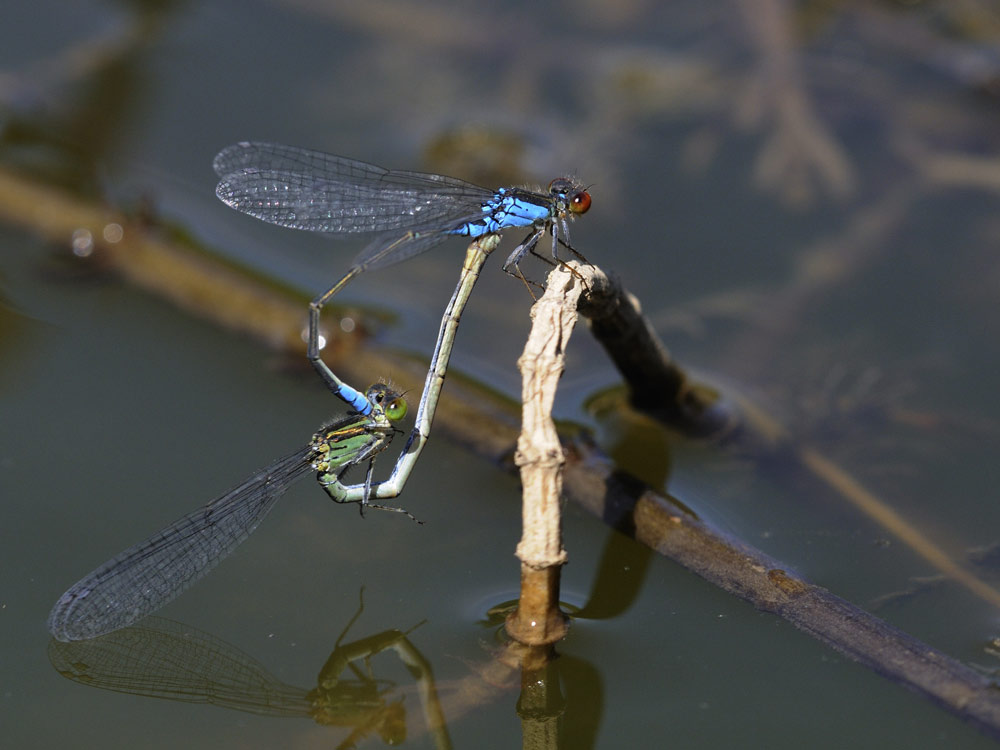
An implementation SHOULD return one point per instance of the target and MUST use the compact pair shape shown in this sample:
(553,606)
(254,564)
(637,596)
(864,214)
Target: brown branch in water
(656,385)
(653,520)
(153,258)
(636,510)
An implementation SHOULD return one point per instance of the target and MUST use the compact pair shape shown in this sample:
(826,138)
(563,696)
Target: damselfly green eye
(396,410)
(387,401)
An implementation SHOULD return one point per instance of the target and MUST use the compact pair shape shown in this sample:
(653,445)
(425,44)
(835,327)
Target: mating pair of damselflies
(409,213)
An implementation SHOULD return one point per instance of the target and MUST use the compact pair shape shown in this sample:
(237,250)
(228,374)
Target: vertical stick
(538,619)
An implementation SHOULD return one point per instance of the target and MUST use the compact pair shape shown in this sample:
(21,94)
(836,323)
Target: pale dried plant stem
(540,458)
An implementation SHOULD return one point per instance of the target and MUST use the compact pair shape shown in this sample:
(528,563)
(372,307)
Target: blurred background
(803,196)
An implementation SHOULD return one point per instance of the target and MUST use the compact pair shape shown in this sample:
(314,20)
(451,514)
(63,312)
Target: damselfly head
(385,399)
(572,193)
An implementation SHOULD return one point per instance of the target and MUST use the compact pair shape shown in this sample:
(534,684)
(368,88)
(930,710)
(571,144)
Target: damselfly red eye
(579,203)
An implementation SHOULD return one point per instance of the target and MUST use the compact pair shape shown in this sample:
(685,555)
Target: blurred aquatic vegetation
(64,117)
(485,155)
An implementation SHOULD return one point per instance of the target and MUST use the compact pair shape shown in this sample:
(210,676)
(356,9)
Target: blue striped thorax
(517,207)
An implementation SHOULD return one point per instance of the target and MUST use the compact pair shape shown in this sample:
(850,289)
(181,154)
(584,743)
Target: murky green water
(812,226)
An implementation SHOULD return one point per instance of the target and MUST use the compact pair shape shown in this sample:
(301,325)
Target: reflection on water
(169,660)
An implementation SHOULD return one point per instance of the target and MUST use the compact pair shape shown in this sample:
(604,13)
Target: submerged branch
(639,512)
(649,518)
